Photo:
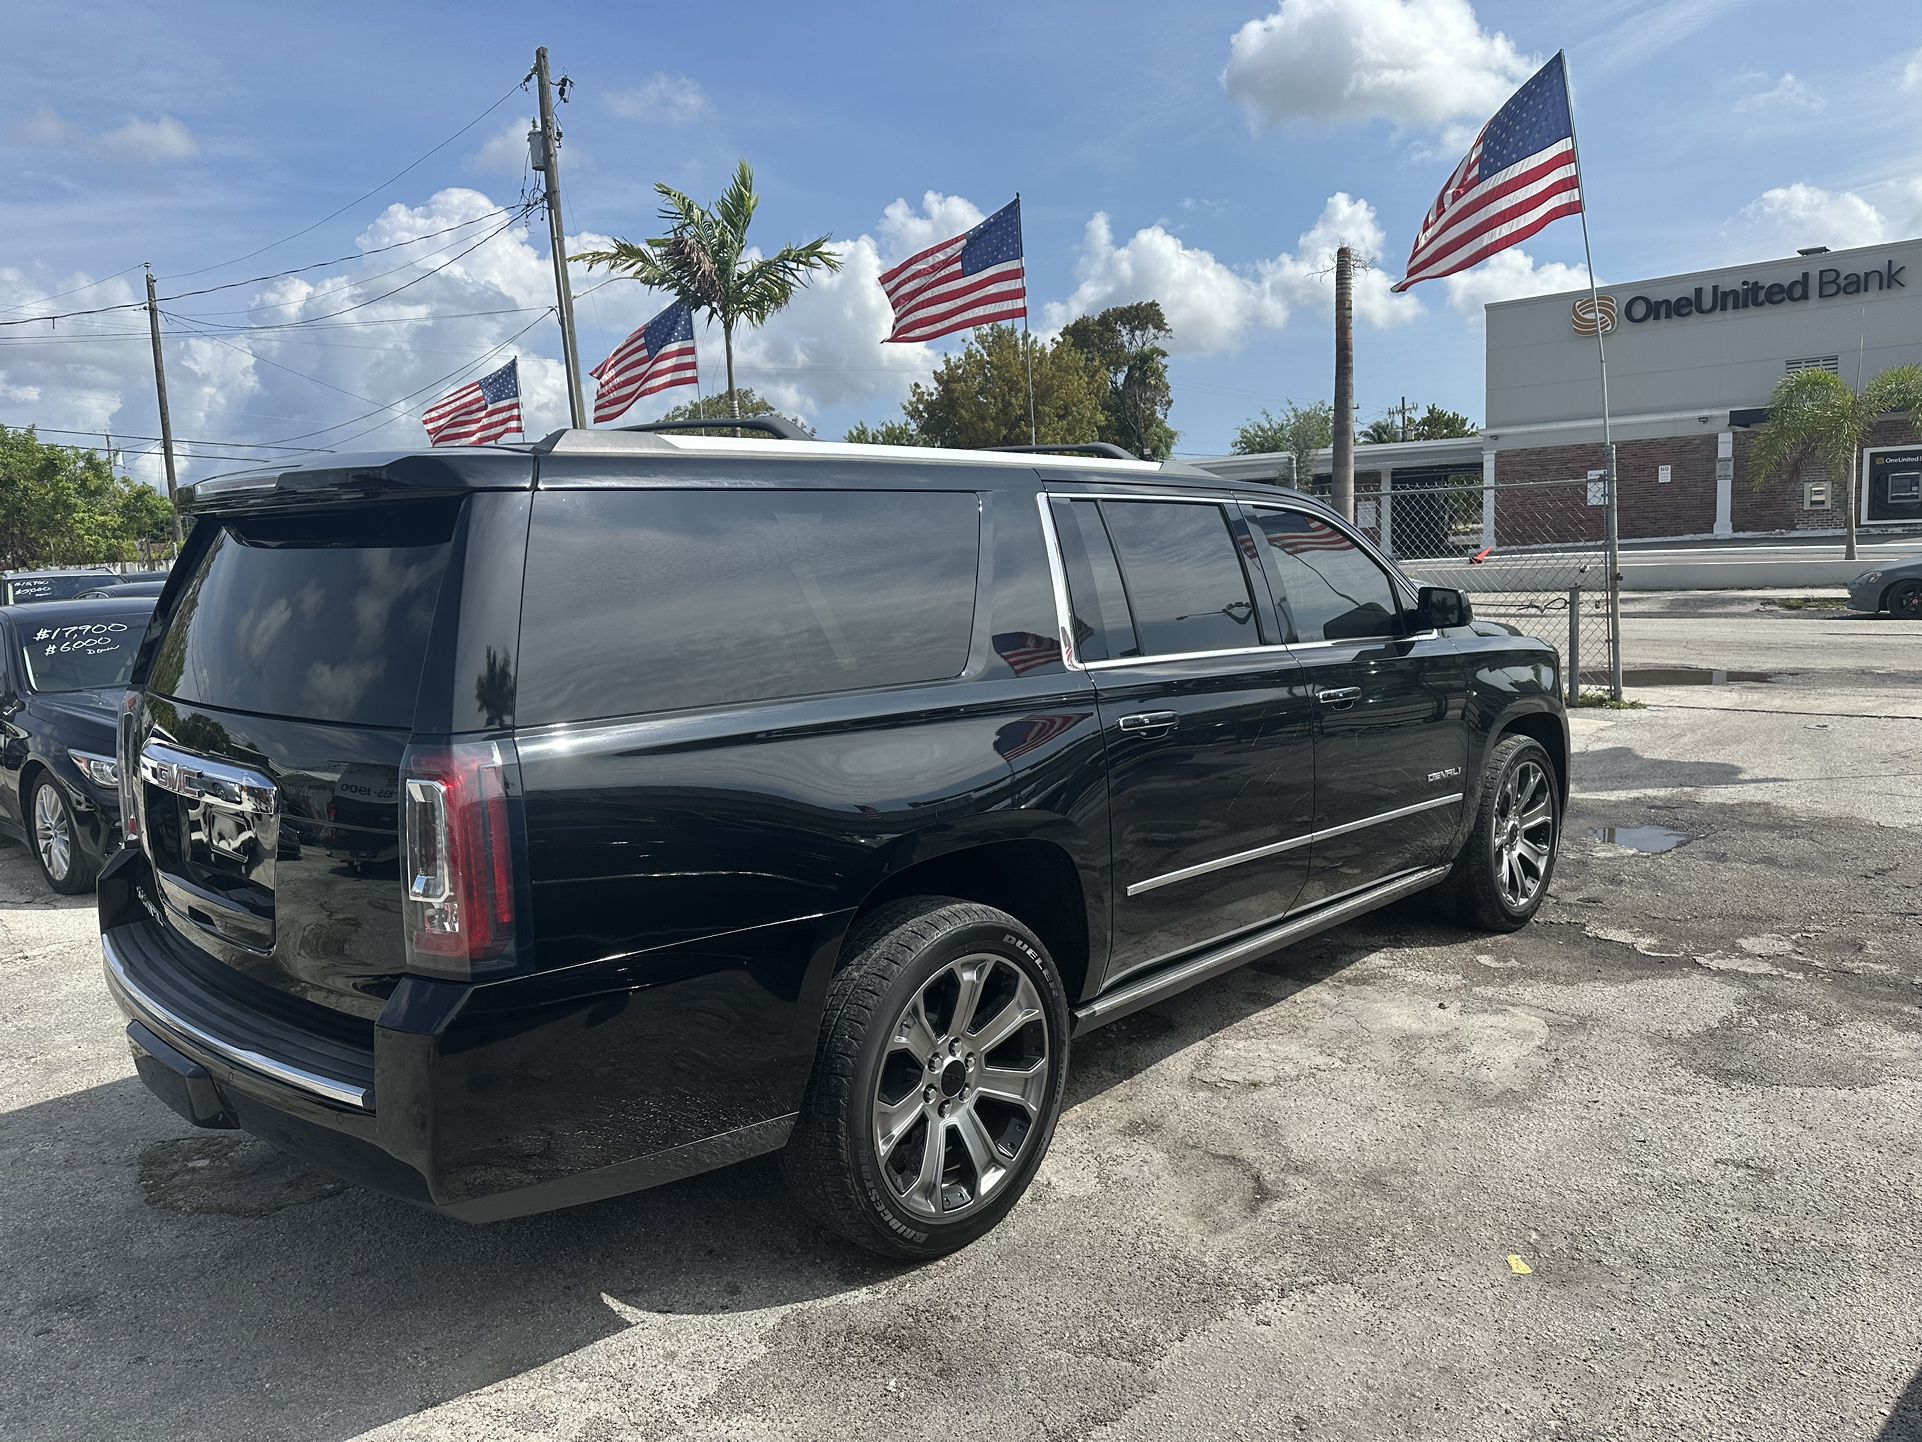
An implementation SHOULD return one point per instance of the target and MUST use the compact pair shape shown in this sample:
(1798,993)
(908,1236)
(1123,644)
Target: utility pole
(1344,447)
(547,161)
(160,390)
(1403,413)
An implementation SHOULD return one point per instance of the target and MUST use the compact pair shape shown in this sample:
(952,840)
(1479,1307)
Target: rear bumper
(486,1101)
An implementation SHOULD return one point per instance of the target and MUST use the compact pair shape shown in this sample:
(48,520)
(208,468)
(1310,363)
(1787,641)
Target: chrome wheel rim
(52,834)
(1524,839)
(958,1100)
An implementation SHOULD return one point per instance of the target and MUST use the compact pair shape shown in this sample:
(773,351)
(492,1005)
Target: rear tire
(1502,873)
(68,867)
(937,1081)
(1904,600)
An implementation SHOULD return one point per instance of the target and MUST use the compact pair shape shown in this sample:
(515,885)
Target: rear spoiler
(395,476)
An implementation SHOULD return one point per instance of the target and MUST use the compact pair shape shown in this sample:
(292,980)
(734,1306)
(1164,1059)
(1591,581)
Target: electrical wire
(403,400)
(63,294)
(518,85)
(276,365)
(178,440)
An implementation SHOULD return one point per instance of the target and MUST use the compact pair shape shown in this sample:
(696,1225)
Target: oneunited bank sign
(1715,298)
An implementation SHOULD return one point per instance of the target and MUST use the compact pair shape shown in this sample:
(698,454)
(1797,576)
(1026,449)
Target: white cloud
(1212,305)
(505,153)
(1509,275)
(907,230)
(161,139)
(1646,31)
(233,389)
(1418,63)
(1912,73)
(1787,96)
(672,99)
(1782,220)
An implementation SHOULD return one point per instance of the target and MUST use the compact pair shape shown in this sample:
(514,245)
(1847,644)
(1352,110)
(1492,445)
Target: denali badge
(1444,775)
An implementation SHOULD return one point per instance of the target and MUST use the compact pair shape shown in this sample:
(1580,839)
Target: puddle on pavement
(1696,676)
(1649,840)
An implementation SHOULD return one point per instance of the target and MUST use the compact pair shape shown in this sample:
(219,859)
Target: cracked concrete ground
(1686,1100)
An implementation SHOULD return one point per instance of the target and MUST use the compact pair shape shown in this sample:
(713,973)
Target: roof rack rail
(780,427)
(1107,450)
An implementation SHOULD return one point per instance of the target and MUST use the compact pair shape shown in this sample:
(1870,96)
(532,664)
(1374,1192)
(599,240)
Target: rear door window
(324,616)
(1103,629)
(1185,585)
(659,600)
(1331,588)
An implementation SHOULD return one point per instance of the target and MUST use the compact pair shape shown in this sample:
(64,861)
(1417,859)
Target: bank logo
(1582,314)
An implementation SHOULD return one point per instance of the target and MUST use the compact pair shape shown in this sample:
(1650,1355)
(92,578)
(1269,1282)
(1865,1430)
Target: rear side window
(1330,587)
(657,600)
(1103,630)
(1185,585)
(324,615)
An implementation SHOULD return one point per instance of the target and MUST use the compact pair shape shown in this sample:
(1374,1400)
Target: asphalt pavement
(1648,1169)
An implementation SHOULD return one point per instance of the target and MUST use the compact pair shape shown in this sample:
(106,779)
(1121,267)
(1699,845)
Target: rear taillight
(129,770)
(457,853)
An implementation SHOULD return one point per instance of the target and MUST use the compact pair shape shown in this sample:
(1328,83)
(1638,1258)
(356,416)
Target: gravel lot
(1291,1203)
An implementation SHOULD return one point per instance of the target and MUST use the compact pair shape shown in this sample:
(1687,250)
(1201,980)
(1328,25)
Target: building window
(1815,495)
(1829,363)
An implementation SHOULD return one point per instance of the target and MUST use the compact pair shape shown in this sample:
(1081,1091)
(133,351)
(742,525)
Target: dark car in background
(149,586)
(18,587)
(63,669)
(511,828)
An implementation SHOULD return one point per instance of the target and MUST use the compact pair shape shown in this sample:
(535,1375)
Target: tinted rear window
(323,616)
(658,600)
(1185,584)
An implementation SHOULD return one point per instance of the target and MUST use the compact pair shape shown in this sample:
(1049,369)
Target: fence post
(1574,645)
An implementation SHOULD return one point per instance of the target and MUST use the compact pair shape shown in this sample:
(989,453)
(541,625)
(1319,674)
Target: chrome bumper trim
(333,1089)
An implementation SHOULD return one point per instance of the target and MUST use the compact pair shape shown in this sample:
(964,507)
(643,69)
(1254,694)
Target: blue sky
(1206,155)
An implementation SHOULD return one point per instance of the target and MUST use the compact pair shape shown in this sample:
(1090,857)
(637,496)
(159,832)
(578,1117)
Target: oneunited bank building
(1692,360)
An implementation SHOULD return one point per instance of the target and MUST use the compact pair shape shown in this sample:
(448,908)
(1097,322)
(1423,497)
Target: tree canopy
(1433,424)
(64,507)
(979,395)
(1299,431)
(746,402)
(1125,342)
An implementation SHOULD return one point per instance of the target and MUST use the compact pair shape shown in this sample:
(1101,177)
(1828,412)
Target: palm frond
(1811,413)
(1896,392)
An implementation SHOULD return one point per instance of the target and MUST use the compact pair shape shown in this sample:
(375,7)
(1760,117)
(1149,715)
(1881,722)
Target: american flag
(1518,176)
(1025,651)
(479,412)
(1298,534)
(973,279)
(657,356)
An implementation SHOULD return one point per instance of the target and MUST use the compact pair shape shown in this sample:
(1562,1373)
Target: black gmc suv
(515,827)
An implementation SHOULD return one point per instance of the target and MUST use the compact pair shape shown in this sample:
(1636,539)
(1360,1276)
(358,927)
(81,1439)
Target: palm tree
(702,261)
(1813,413)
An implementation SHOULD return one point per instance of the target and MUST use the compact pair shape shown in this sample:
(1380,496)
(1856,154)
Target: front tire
(937,1081)
(1905,600)
(1501,875)
(63,858)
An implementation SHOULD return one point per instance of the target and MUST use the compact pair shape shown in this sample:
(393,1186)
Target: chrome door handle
(1340,697)
(1149,723)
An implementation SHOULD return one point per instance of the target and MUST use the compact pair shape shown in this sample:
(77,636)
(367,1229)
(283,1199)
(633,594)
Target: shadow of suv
(514,827)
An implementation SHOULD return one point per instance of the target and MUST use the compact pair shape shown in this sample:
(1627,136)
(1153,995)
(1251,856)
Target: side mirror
(1439,607)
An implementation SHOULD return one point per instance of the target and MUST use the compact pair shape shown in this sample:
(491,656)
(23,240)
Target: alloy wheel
(961,1086)
(1524,834)
(52,833)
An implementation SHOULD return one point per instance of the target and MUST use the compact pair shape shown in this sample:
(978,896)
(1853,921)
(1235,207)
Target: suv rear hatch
(317,636)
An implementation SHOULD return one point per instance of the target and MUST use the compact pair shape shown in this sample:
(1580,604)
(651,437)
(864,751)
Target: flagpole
(1610,518)
(1027,344)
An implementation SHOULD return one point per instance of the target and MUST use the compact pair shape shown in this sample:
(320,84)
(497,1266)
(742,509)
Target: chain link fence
(1532,554)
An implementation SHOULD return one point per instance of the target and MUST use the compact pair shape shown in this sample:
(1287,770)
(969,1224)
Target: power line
(513,216)
(263,360)
(392,405)
(178,440)
(63,294)
(189,274)
(302,326)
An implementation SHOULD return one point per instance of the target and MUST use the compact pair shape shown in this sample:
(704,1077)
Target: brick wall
(1684,506)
